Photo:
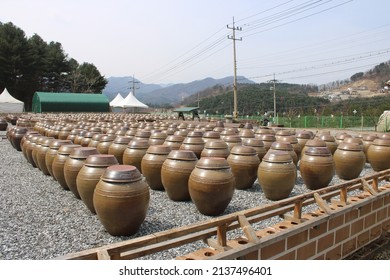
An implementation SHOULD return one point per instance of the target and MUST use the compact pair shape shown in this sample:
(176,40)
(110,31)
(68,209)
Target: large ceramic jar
(73,165)
(80,136)
(313,143)
(349,160)
(211,136)
(118,147)
(285,146)
(244,162)
(134,152)
(142,134)
(256,144)
(175,173)
(303,137)
(29,147)
(294,143)
(246,133)
(89,175)
(267,139)
(157,138)
(151,165)
(174,141)
(195,144)
(52,152)
(95,140)
(277,175)
(121,199)
(16,137)
(330,142)
(378,154)
(317,167)
(368,139)
(36,148)
(279,134)
(211,185)
(105,143)
(3,124)
(64,132)
(59,162)
(232,140)
(215,148)
(41,154)
(87,138)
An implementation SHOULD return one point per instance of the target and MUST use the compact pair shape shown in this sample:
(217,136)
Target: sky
(179,41)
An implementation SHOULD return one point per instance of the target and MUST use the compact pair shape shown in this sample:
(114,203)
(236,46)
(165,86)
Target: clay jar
(195,144)
(134,152)
(118,147)
(303,137)
(313,143)
(211,136)
(73,164)
(95,140)
(121,199)
(157,138)
(277,175)
(378,154)
(52,152)
(285,146)
(89,175)
(59,162)
(244,162)
(267,139)
(317,167)
(330,142)
(368,139)
(175,173)
(151,165)
(215,148)
(41,154)
(29,147)
(232,140)
(3,124)
(256,144)
(17,136)
(105,142)
(349,160)
(174,141)
(294,143)
(211,185)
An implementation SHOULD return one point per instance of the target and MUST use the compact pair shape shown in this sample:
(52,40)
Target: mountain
(158,94)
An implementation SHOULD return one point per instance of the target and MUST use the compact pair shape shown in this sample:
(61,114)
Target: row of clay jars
(59,162)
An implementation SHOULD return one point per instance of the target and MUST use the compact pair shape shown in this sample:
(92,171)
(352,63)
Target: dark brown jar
(41,154)
(174,141)
(285,146)
(52,152)
(89,175)
(118,147)
(134,152)
(303,137)
(244,162)
(378,154)
(215,148)
(232,140)
(121,200)
(59,162)
(29,147)
(267,139)
(105,142)
(175,172)
(3,124)
(294,143)
(317,167)
(73,165)
(313,143)
(35,149)
(95,140)
(64,132)
(37,152)
(279,134)
(277,175)
(211,185)
(368,139)
(151,165)
(142,134)
(157,138)
(195,144)
(246,133)
(256,144)
(87,138)
(330,142)
(349,160)
(211,136)
(16,137)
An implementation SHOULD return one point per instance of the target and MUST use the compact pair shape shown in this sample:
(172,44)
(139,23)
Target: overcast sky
(175,41)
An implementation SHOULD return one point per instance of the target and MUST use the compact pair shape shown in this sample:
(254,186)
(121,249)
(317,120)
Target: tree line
(30,64)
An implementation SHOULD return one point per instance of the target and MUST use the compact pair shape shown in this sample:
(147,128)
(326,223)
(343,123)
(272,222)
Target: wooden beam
(343,196)
(368,188)
(298,209)
(221,235)
(322,204)
(248,229)
(103,255)
(375,184)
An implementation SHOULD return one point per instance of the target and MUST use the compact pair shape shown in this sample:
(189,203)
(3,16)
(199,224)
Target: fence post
(362,122)
(305,121)
(341,121)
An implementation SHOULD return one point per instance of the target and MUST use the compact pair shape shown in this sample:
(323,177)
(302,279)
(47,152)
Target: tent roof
(131,101)
(5,97)
(118,98)
(185,109)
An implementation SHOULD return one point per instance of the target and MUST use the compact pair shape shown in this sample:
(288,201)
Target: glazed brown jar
(35,150)
(378,154)
(52,152)
(215,148)
(313,143)
(157,138)
(267,139)
(285,146)
(368,139)
(121,200)
(87,138)
(29,147)
(246,133)
(349,160)
(232,140)
(175,172)
(118,147)
(151,165)
(303,137)
(89,175)
(317,167)
(277,175)
(195,144)
(16,137)
(330,142)
(294,143)
(211,185)
(174,141)
(105,143)
(73,165)
(256,144)
(134,152)
(244,162)
(95,140)
(211,136)
(41,154)
(59,162)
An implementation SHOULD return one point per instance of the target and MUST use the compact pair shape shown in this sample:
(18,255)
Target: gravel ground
(40,220)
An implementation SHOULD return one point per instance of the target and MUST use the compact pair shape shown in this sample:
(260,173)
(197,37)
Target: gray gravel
(39,220)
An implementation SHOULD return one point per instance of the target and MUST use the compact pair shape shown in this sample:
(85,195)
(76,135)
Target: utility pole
(274,89)
(233,37)
(133,87)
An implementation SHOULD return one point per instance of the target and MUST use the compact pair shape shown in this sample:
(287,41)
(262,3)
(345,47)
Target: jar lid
(233,139)
(182,155)
(121,174)
(283,146)
(265,130)
(267,137)
(122,139)
(212,163)
(304,135)
(290,139)
(381,142)
(67,149)
(327,138)
(159,149)
(277,156)
(107,138)
(47,141)
(243,150)
(175,138)
(345,146)
(216,144)
(195,133)
(318,151)
(315,143)
(83,152)
(101,160)
(193,140)
(143,133)
(212,134)
(369,137)
(353,140)
(253,142)
(158,135)
(138,144)
(56,144)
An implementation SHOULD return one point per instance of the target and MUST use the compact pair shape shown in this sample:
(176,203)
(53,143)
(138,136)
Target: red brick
(375,232)
(288,256)
(381,214)
(325,242)
(357,227)
(307,251)
(377,204)
(364,210)
(336,222)
(318,230)
(386,225)
(273,249)
(334,254)
(363,238)
(322,257)
(297,239)
(342,234)
(352,215)
(349,247)
(369,220)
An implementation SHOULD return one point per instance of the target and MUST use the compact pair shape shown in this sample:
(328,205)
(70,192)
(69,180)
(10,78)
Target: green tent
(44,102)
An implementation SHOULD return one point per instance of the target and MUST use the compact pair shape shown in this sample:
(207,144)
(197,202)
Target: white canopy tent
(131,102)
(118,99)
(9,104)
